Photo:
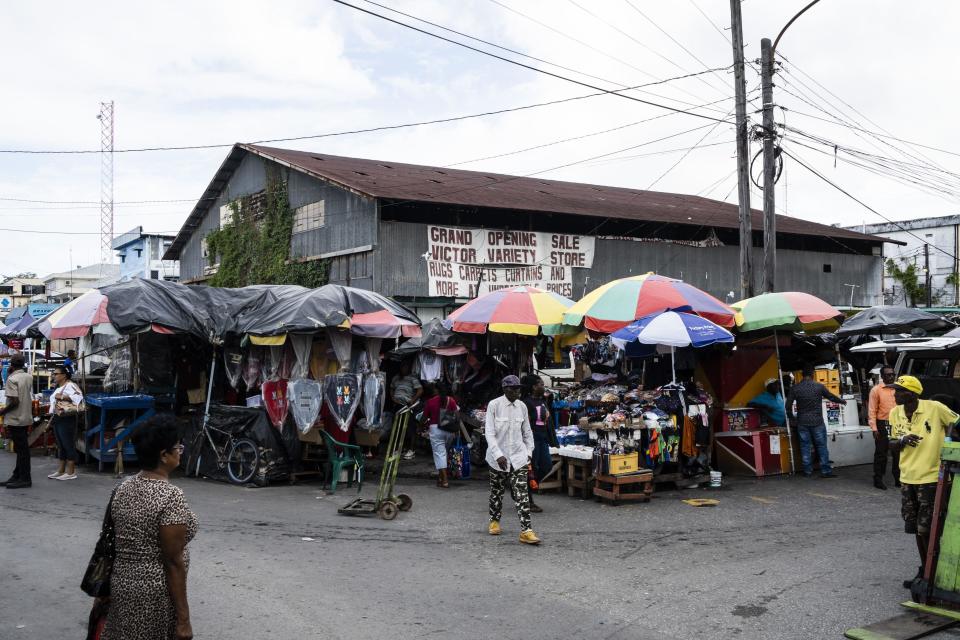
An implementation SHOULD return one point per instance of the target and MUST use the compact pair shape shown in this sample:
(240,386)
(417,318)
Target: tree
(909,280)
(26,275)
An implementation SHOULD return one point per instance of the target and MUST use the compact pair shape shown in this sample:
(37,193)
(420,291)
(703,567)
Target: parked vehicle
(934,361)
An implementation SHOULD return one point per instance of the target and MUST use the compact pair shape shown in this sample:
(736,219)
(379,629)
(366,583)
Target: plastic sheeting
(251,367)
(301,345)
(233,365)
(154,362)
(372,346)
(275,401)
(119,374)
(341,393)
(342,343)
(305,398)
(373,397)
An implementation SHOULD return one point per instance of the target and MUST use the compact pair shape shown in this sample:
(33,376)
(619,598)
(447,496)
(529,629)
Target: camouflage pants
(916,506)
(518,491)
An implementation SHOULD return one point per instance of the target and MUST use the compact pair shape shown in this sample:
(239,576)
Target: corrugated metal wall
(402,270)
(350,220)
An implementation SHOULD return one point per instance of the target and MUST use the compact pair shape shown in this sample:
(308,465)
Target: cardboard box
(618,464)
(313,436)
(367,438)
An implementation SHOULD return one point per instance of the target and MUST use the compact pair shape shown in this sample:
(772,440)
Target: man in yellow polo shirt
(917,430)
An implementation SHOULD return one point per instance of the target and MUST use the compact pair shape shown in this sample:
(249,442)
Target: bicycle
(239,456)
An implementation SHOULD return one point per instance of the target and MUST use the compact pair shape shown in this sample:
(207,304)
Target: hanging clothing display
(305,398)
(342,342)
(233,365)
(301,345)
(455,368)
(321,364)
(373,397)
(429,366)
(251,367)
(341,394)
(275,401)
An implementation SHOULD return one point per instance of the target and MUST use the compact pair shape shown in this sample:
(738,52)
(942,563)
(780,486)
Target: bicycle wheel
(242,460)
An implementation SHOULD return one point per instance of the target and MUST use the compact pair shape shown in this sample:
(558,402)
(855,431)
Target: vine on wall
(255,247)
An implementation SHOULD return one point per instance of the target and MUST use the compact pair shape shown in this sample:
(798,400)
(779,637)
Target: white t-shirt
(69,390)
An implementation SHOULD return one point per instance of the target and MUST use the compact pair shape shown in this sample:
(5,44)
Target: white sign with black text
(462,263)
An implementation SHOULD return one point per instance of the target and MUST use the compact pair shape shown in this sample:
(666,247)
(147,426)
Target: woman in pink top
(440,440)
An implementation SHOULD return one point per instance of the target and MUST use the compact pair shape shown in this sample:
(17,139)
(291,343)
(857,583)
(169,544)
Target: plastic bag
(341,393)
(305,398)
(119,375)
(374,395)
(301,345)
(233,365)
(275,401)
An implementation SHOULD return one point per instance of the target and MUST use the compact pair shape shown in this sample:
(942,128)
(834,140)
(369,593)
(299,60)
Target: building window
(227,213)
(308,217)
(139,253)
(123,258)
(827,268)
(154,275)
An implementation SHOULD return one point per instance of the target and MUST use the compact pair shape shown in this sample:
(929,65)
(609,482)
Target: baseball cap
(770,381)
(908,383)
(510,381)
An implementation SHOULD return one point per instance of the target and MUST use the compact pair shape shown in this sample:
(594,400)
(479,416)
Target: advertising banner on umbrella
(305,399)
(341,394)
(275,401)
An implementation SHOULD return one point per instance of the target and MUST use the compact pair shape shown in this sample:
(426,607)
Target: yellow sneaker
(529,537)
(494,528)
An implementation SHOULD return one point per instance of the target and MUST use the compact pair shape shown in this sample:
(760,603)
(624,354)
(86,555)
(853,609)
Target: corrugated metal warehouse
(432,236)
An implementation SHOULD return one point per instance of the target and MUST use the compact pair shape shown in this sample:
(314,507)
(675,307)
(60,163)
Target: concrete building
(67,285)
(141,256)
(933,241)
(432,237)
(17,292)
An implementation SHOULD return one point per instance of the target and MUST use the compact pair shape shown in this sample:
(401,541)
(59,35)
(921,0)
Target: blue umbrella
(673,329)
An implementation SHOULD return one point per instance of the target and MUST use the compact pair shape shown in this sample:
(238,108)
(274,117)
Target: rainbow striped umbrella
(616,304)
(526,311)
(786,311)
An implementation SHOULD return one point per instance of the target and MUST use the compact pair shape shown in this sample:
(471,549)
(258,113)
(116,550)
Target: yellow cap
(909,383)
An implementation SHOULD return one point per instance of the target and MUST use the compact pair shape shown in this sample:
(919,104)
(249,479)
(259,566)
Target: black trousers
(19,437)
(881,447)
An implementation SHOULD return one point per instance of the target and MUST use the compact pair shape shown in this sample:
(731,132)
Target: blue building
(141,256)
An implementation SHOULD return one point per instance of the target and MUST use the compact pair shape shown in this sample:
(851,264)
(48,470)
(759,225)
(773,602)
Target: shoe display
(19,484)
(535,508)
(68,476)
(494,528)
(529,537)
(879,484)
(55,475)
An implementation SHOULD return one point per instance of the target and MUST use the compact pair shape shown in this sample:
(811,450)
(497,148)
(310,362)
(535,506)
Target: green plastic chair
(340,455)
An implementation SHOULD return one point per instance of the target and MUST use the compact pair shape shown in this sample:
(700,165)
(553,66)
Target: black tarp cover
(892,319)
(434,336)
(277,449)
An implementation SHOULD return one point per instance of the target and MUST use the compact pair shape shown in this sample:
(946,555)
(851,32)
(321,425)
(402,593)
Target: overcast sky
(196,73)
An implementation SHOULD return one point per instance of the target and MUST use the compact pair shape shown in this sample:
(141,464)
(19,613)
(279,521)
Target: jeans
(881,446)
(65,433)
(810,437)
(19,437)
(542,463)
(440,441)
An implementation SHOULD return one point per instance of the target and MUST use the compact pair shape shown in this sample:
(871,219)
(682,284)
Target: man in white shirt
(509,451)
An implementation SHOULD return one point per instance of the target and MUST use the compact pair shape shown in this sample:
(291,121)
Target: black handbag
(96,579)
(448,421)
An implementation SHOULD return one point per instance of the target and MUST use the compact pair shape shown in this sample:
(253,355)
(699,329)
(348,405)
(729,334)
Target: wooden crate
(554,479)
(634,486)
(579,477)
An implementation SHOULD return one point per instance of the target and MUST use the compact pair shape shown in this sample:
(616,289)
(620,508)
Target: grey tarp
(892,319)
(435,336)
(210,313)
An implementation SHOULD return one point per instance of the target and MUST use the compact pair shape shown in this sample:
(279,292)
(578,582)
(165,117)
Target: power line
(712,23)
(482,114)
(683,157)
(526,66)
(520,53)
(863,204)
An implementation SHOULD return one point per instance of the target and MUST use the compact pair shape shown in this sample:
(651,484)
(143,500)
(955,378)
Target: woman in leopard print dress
(152,524)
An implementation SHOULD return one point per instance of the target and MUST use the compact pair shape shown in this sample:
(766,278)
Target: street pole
(743,155)
(769,170)
(926,270)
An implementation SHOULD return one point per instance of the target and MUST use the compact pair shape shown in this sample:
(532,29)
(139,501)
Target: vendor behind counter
(770,402)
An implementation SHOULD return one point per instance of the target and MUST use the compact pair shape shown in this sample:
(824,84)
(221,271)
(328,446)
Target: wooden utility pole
(769,168)
(743,154)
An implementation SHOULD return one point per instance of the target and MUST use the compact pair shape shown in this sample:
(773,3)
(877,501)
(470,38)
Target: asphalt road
(778,558)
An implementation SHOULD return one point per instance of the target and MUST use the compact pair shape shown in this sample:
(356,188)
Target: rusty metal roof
(420,183)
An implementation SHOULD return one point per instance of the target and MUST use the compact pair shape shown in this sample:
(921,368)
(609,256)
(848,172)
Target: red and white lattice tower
(106,182)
